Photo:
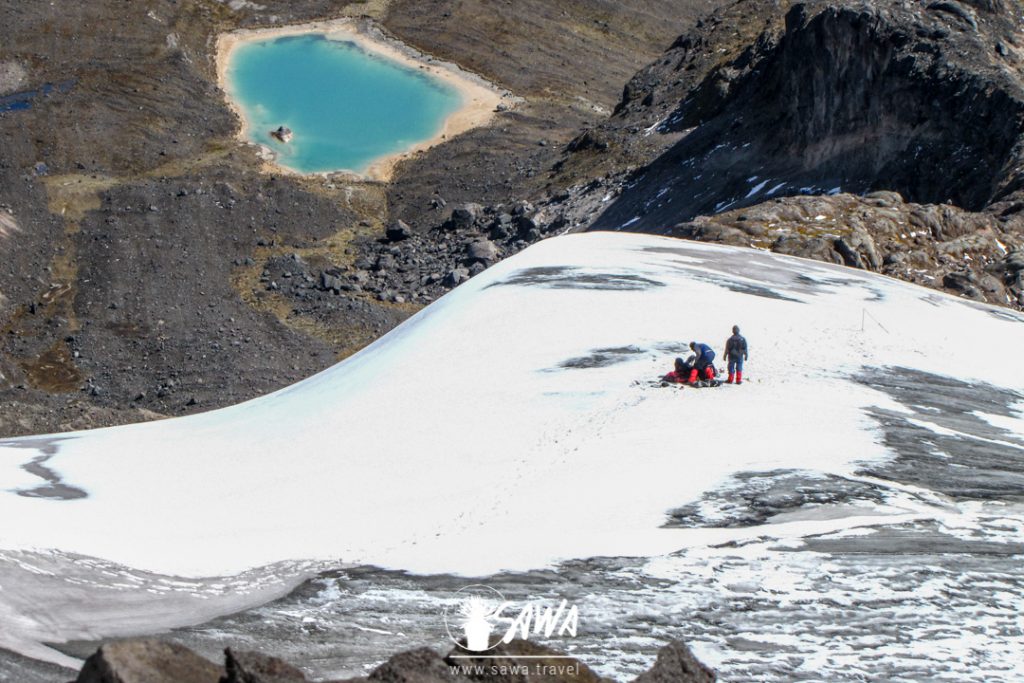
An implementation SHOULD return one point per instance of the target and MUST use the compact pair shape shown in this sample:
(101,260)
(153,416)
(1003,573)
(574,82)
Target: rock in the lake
(282,133)
(147,661)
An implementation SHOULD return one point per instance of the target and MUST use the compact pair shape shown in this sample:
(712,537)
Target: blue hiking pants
(735,364)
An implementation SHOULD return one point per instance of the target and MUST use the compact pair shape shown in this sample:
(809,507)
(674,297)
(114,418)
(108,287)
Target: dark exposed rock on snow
(987,464)
(751,498)
(154,661)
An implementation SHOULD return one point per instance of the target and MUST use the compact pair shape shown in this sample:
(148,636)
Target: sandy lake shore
(480,98)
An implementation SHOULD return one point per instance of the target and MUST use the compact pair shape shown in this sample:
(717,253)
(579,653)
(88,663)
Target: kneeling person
(702,364)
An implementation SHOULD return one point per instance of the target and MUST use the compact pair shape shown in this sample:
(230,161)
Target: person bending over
(702,364)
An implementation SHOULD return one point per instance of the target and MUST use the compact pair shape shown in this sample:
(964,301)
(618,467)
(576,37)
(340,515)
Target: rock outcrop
(147,661)
(979,255)
(155,661)
(256,667)
(676,663)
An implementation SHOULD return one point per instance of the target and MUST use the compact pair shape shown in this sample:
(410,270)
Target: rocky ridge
(978,255)
(885,135)
(923,99)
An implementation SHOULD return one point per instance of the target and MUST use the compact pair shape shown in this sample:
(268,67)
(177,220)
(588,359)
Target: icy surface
(510,427)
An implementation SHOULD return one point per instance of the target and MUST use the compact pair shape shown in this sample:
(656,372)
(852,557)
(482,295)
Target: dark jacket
(704,356)
(736,346)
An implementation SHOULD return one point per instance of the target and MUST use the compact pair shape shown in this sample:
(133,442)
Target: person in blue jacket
(735,354)
(702,364)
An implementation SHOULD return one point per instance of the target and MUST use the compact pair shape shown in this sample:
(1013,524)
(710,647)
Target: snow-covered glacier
(854,510)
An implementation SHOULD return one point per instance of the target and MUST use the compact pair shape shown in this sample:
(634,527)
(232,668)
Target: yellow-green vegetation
(54,370)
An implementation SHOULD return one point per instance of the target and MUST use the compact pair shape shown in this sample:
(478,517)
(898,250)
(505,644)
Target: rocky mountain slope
(765,103)
(923,99)
(112,176)
(766,125)
(525,405)
(151,269)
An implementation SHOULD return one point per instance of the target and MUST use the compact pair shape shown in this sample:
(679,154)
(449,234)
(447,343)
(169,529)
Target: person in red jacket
(680,375)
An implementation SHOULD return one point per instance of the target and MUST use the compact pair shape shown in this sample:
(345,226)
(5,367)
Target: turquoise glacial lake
(345,106)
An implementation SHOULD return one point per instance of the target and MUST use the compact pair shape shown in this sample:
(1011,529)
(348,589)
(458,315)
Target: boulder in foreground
(147,661)
(155,661)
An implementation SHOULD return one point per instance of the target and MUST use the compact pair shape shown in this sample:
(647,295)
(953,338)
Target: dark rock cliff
(770,124)
(922,99)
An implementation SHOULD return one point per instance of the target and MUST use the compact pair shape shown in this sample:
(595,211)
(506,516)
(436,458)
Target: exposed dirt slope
(150,269)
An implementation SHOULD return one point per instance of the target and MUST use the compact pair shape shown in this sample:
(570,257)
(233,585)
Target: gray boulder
(676,664)
(256,667)
(482,250)
(421,665)
(331,282)
(963,282)
(465,216)
(455,277)
(506,663)
(526,225)
(398,230)
(147,661)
